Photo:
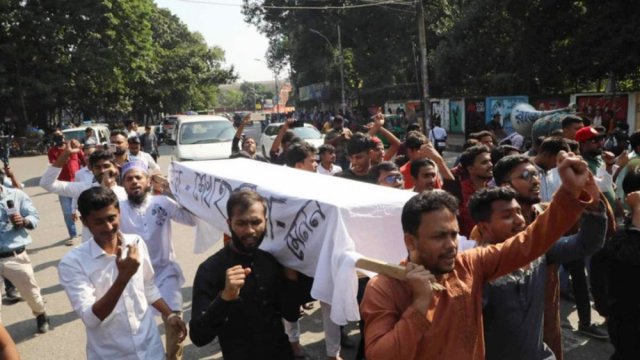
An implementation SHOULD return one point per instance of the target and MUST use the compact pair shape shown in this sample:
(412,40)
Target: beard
(237,242)
(527,200)
(118,151)
(138,199)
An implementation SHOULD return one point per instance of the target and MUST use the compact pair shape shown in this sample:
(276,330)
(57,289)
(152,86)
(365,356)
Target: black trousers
(579,281)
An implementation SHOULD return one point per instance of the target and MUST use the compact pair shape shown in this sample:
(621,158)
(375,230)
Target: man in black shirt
(358,148)
(240,294)
(248,144)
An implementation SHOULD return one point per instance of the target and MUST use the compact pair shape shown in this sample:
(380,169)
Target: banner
(312,92)
(605,110)
(440,111)
(319,233)
(456,116)
(503,105)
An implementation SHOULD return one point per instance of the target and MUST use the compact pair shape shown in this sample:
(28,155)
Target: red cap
(587,133)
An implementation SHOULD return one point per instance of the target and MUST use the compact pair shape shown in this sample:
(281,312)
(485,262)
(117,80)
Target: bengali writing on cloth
(318,225)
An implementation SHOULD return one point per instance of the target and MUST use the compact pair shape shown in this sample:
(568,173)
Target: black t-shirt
(349,174)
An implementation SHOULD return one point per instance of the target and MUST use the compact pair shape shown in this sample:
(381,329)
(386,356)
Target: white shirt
(152,222)
(49,181)
(440,134)
(550,182)
(129,332)
(334,170)
(146,158)
(84,175)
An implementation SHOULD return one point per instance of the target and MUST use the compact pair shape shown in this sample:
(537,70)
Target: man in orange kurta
(408,320)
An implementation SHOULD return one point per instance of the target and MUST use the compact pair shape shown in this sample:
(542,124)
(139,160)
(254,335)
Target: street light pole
(344,103)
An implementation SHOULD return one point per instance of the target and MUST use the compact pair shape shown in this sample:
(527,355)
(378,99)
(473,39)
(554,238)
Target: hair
(634,140)
(129,122)
(553,145)
(600,129)
(468,157)
(556,132)
(358,143)
(374,172)
(99,155)
(288,136)
(480,203)
(469,143)
(413,127)
(570,120)
(118,132)
(500,151)
(338,118)
(243,199)
(425,202)
(326,148)
(480,134)
(418,164)
(631,180)
(298,152)
(147,127)
(574,146)
(96,198)
(88,129)
(503,168)
(415,140)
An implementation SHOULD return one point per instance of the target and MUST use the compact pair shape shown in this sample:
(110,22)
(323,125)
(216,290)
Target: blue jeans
(65,204)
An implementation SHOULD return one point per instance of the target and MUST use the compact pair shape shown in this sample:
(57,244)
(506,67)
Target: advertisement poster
(604,110)
(503,105)
(550,103)
(440,111)
(474,111)
(456,116)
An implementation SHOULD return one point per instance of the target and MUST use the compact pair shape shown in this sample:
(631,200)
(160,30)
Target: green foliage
(111,58)
(475,47)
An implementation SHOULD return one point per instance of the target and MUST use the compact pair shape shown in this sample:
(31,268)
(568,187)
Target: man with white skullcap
(150,217)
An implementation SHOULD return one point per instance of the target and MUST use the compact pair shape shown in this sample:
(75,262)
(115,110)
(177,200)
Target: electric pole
(422,38)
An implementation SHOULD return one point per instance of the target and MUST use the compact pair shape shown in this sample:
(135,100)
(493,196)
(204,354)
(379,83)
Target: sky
(224,26)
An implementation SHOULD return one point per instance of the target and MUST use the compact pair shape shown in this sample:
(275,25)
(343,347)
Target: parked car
(203,137)
(307,132)
(101,132)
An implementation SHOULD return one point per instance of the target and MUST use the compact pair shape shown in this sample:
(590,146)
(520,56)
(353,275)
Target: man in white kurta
(150,217)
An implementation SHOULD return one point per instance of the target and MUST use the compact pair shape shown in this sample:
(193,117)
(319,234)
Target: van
(202,137)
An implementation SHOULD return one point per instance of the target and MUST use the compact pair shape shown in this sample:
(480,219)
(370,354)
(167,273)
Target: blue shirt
(10,237)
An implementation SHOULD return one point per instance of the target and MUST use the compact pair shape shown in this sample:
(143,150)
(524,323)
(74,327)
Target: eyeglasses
(390,179)
(529,175)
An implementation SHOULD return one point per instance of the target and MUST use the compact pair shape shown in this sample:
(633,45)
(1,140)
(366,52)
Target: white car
(101,132)
(307,133)
(203,137)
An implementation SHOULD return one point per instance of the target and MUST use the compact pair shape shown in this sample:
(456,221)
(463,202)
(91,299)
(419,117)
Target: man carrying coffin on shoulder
(240,294)
(409,320)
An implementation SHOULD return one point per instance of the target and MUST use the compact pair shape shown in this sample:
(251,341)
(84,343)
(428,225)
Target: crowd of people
(492,244)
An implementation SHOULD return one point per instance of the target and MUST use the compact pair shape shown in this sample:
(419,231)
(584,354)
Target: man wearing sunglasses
(514,304)
(387,174)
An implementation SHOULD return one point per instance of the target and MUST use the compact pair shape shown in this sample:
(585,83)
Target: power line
(328,7)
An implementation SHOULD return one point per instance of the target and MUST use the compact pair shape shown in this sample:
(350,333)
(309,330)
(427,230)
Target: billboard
(440,111)
(315,91)
(456,115)
(503,105)
(605,110)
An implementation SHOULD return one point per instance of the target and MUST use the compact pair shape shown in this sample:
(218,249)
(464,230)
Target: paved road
(67,339)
